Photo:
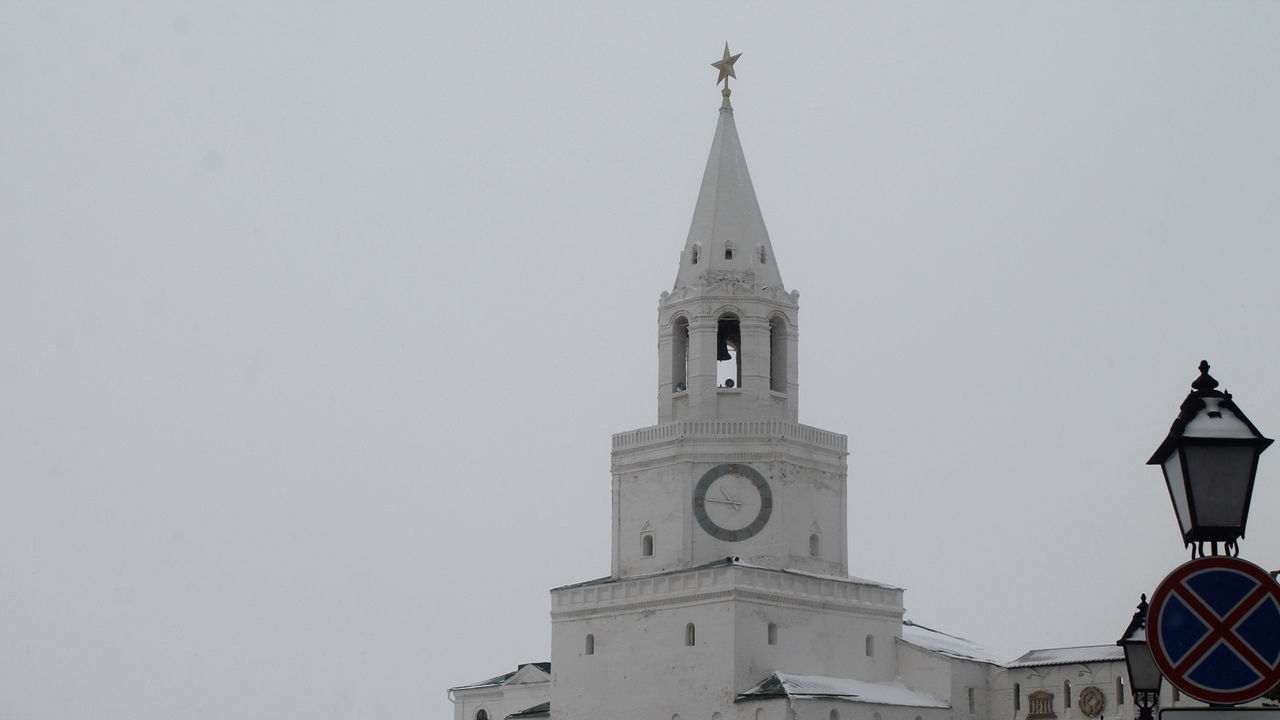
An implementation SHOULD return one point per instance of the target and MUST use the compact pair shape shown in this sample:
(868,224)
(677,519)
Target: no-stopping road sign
(1214,629)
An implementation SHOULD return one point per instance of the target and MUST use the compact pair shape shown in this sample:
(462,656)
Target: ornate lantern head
(1209,460)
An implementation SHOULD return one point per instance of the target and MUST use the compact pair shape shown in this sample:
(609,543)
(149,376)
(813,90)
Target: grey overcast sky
(316,318)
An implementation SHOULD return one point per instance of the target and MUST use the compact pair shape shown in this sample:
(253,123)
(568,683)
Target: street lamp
(1210,458)
(1144,676)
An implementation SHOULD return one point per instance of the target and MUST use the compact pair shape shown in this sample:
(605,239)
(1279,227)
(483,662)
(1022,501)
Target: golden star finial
(725,66)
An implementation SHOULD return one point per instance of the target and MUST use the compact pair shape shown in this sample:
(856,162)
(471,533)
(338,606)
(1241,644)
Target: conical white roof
(727,213)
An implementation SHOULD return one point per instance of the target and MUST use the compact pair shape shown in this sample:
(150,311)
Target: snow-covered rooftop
(727,562)
(816,686)
(947,645)
(1070,656)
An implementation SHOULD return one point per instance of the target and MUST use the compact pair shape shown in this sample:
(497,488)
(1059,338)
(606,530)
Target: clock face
(732,502)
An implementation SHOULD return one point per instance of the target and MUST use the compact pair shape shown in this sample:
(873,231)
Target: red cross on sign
(1214,630)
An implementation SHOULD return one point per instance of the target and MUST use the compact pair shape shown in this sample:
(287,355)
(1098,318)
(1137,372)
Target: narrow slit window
(680,355)
(1120,691)
(1017,697)
(871,645)
(1066,694)
(728,251)
(763,255)
(778,355)
(689,635)
(591,644)
(646,545)
(814,545)
(773,633)
(694,253)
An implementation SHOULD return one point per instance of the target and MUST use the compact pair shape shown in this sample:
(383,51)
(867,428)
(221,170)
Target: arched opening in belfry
(778,354)
(680,355)
(728,351)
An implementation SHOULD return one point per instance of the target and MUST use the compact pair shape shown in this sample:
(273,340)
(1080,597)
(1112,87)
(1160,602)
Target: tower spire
(728,232)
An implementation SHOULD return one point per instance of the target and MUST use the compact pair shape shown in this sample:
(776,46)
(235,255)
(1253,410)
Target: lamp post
(1144,676)
(1210,458)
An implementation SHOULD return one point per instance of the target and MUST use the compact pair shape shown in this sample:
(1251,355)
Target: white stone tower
(729,517)
(727,407)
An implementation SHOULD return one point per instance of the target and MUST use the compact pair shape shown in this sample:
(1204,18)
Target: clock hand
(724,502)
(732,502)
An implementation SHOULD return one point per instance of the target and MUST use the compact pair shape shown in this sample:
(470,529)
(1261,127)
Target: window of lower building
(689,635)
(591,644)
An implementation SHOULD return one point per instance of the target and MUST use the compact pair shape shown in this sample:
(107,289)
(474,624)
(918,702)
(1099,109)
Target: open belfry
(729,594)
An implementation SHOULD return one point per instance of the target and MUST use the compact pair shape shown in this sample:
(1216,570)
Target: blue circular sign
(1214,630)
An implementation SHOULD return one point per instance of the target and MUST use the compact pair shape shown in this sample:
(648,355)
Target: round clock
(732,502)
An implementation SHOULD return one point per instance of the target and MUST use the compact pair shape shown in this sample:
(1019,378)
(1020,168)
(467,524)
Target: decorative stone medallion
(1092,701)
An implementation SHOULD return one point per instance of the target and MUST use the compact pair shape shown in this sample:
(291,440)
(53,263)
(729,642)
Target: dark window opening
(760,250)
(1017,697)
(814,546)
(646,546)
(1066,694)
(680,355)
(591,644)
(773,633)
(777,355)
(728,251)
(728,352)
(689,635)
(693,253)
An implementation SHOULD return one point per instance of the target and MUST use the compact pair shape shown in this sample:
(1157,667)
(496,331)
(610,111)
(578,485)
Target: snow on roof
(726,562)
(946,645)
(815,686)
(545,667)
(1070,656)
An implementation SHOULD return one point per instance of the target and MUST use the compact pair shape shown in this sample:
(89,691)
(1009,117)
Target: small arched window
(693,253)
(591,644)
(814,545)
(728,250)
(833,715)
(773,633)
(482,715)
(871,645)
(689,636)
(646,545)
